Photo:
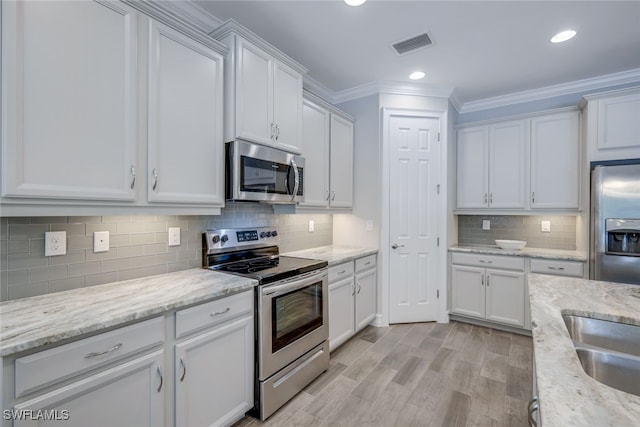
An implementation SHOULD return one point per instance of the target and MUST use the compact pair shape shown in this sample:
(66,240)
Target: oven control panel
(230,238)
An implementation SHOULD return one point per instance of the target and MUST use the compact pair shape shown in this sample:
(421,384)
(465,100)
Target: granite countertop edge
(333,254)
(542,253)
(34,322)
(568,397)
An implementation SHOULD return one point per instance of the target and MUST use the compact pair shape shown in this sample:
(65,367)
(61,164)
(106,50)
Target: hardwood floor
(422,374)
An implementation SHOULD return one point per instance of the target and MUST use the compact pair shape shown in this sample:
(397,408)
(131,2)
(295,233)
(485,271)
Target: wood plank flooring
(421,374)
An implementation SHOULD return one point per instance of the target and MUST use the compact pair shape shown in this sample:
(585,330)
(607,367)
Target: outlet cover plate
(486,224)
(545,226)
(55,243)
(101,241)
(312,226)
(174,236)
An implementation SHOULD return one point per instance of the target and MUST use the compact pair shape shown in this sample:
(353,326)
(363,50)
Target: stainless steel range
(292,314)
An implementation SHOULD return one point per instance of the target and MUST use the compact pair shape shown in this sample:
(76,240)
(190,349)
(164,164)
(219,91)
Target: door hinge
(438,188)
(437,241)
(438,293)
(438,136)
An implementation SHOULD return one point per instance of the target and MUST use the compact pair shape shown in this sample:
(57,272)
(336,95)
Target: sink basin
(604,334)
(613,369)
(609,352)
(511,244)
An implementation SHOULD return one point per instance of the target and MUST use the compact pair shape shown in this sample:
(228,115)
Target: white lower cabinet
(352,298)
(214,368)
(493,294)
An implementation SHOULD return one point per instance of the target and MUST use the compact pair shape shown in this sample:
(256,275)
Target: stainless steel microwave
(263,174)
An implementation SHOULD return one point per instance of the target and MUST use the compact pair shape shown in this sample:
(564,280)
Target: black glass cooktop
(271,269)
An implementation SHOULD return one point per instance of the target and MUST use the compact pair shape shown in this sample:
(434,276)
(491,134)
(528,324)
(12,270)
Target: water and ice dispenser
(623,237)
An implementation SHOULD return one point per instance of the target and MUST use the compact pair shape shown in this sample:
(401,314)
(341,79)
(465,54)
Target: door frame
(442,313)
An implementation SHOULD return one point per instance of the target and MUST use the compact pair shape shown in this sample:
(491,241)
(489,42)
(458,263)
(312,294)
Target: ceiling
(484,49)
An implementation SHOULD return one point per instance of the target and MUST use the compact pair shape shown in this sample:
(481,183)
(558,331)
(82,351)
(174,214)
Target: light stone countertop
(333,254)
(33,322)
(567,395)
(524,252)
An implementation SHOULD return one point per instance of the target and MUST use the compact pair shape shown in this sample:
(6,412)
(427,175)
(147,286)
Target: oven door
(259,173)
(293,320)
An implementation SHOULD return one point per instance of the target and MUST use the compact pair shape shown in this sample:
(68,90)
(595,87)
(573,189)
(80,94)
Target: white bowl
(511,244)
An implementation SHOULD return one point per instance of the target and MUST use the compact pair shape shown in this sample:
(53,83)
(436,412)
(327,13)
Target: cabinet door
(341,165)
(473,167)
(365,298)
(130,393)
(185,120)
(467,291)
(619,124)
(69,100)
(505,296)
(315,149)
(287,107)
(214,375)
(254,93)
(508,165)
(341,311)
(555,161)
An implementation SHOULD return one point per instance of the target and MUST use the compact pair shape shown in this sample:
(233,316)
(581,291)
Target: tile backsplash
(138,246)
(519,227)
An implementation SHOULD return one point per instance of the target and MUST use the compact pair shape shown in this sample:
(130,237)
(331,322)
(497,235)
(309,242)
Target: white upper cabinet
(327,145)
(524,164)
(69,100)
(185,120)
(555,161)
(613,125)
(263,90)
(492,166)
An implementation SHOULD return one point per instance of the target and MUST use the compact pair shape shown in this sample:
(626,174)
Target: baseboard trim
(491,325)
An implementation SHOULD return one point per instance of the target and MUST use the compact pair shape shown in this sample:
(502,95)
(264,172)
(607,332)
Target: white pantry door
(413,215)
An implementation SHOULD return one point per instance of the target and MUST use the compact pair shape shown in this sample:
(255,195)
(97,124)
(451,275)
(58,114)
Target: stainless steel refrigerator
(615,223)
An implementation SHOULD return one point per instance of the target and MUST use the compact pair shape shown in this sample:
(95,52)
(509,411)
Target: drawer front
(47,367)
(213,313)
(557,267)
(340,271)
(488,261)
(366,262)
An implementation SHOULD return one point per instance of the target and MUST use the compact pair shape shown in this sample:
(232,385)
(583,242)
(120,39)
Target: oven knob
(274,233)
(215,239)
(224,238)
(268,234)
(263,235)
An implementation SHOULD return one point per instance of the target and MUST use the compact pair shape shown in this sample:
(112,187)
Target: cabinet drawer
(560,268)
(489,261)
(366,262)
(340,271)
(213,313)
(47,367)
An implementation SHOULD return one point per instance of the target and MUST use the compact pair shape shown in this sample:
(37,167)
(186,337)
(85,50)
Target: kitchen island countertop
(33,322)
(333,254)
(567,395)
(543,253)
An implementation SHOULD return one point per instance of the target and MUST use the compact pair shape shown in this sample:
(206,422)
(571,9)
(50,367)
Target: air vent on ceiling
(412,44)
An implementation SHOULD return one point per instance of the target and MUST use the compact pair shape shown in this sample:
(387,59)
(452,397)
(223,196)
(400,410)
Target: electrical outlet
(55,243)
(174,236)
(101,241)
(545,226)
(369,225)
(486,224)
(312,226)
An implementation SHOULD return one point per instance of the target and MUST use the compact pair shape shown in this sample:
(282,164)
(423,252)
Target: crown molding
(318,89)
(395,88)
(192,13)
(594,83)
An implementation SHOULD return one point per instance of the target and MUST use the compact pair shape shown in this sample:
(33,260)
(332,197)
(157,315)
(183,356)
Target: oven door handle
(294,285)
(296,179)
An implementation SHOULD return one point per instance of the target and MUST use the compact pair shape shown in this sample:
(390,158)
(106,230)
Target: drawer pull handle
(218,313)
(555,268)
(161,380)
(102,353)
(486,262)
(367,263)
(184,369)
(342,272)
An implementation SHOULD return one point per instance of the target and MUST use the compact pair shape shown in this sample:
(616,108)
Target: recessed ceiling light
(354,2)
(416,75)
(563,36)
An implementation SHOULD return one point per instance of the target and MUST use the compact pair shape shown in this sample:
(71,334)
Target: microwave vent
(412,44)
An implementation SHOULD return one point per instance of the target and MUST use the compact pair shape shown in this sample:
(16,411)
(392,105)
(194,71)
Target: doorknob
(396,246)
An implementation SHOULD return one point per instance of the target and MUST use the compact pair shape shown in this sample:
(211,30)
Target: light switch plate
(369,225)
(55,243)
(312,226)
(101,241)
(486,224)
(174,236)
(546,226)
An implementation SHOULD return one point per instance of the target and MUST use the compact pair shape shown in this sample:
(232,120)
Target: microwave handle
(296,179)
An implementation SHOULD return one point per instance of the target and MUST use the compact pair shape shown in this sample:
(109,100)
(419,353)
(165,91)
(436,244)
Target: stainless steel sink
(609,352)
